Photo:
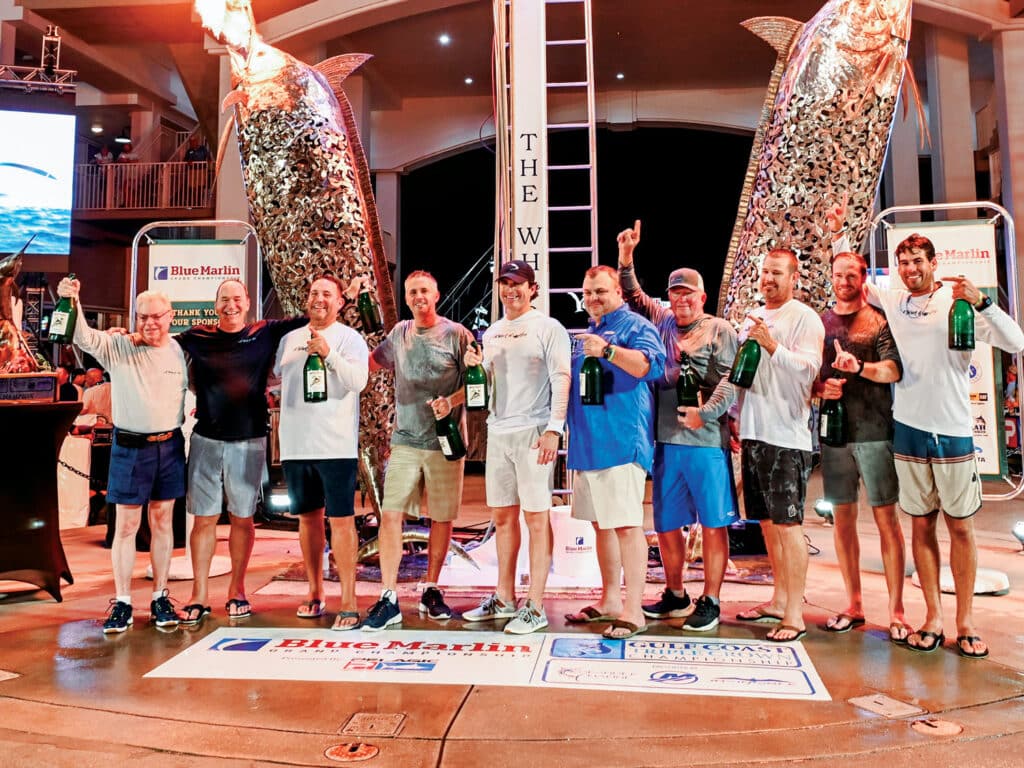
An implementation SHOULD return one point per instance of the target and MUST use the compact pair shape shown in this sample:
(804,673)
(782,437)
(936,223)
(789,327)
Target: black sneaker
(162,613)
(432,604)
(119,617)
(704,617)
(382,615)
(668,607)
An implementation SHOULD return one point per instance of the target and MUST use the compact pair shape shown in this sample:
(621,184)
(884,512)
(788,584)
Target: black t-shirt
(67,392)
(866,334)
(230,371)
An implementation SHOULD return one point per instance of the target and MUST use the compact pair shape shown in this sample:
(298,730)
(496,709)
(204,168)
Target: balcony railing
(133,186)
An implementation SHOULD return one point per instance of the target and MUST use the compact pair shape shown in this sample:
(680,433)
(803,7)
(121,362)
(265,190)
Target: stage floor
(78,698)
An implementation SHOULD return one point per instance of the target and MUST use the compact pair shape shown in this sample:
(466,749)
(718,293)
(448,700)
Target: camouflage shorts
(775,482)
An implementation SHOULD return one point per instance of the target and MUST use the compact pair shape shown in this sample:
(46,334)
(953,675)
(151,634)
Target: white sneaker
(491,607)
(528,619)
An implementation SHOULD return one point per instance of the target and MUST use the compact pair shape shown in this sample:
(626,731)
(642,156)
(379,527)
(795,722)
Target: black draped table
(30,438)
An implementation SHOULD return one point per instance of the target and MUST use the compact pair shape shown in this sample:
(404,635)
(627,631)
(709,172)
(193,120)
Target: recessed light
(468,81)
(620,76)
(444,39)
(96,128)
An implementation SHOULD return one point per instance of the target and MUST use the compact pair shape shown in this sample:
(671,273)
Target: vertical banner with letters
(968,248)
(529,141)
(189,271)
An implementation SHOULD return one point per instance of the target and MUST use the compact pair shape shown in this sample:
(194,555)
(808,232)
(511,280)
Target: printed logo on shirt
(512,334)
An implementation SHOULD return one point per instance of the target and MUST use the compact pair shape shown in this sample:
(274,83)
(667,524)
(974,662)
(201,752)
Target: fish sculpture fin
(234,97)
(222,145)
(778,31)
(337,68)
(912,92)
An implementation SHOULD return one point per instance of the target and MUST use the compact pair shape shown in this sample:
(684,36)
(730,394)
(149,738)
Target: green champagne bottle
(961,325)
(687,385)
(450,439)
(832,426)
(591,384)
(63,319)
(745,365)
(314,380)
(476,386)
(369,312)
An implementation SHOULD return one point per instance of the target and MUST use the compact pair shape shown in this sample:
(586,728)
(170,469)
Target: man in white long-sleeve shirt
(319,443)
(526,355)
(933,438)
(147,461)
(774,428)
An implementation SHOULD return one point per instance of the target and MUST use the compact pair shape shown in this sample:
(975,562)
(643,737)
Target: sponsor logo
(980,426)
(248,644)
(751,682)
(180,272)
(673,678)
(975,374)
(581,649)
(159,273)
(579,541)
(589,675)
(979,397)
(406,666)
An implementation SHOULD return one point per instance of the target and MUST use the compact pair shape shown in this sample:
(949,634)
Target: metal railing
(127,186)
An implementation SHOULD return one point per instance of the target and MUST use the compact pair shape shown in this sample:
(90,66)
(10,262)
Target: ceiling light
(444,39)
(468,81)
(96,128)
(620,76)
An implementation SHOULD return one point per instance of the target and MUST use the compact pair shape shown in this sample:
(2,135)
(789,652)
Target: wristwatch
(984,303)
(608,352)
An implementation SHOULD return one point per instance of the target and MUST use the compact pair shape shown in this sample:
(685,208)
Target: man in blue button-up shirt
(611,446)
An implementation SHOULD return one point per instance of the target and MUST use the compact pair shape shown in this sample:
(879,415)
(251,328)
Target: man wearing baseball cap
(692,478)
(526,356)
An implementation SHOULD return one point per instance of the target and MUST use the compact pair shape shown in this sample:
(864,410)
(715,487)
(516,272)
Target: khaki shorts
(411,471)
(513,476)
(612,498)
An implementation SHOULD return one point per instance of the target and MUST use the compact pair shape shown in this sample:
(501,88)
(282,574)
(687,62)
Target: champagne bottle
(369,312)
(961,325)
(476,386)
(745,365)
(687,385)
(63,319)
(450,438)
(591,384)
(832,427)
(314,379)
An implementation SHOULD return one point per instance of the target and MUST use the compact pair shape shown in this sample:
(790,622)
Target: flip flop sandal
(632,628)
(937,637)
(757,614)
(339,627)
(314,609)
(897,626)
(242,608)
(970,640)
(843,623)
(773,637)
(587,615)
(201,611)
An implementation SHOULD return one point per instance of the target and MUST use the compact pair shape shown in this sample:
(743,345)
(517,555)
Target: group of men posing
(905,392)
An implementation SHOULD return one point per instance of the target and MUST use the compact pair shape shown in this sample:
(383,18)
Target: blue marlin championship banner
(189,271)
(643,664)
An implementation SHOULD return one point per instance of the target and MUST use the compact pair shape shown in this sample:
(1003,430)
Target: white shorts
(513,476)
(613,497)
(225,468)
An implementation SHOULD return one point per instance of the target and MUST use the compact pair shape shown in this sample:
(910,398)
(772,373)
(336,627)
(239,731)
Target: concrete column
(902,179)
(7,33)
(358,91)
(143,123)
(1009,97)
(387,194)
(231,199)
(949,103)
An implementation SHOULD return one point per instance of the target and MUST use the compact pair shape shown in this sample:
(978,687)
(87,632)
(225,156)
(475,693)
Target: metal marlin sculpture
(308,186)
(15,354)
(822,139)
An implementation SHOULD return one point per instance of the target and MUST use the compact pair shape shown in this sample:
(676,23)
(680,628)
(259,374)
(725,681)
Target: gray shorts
(219,468)
(871,462)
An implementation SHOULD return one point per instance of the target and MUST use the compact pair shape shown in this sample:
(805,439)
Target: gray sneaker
(491,607)
(528,619)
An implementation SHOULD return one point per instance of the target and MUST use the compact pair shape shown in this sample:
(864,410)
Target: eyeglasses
(147,318)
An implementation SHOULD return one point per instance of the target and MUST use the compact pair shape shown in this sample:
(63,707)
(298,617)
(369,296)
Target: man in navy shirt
(230,363)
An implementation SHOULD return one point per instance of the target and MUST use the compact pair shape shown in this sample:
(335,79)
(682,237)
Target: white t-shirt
(934,394)
(330,429)
(528,362)
(147,384)
(777,407)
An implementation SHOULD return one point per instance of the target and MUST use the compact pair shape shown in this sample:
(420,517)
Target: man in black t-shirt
(859,364)
(229,363)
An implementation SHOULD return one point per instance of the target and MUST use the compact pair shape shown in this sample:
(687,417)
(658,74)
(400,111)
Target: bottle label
(823,429)
(59,323)
(316,382)
(583,385)
(476,395)
(446,447)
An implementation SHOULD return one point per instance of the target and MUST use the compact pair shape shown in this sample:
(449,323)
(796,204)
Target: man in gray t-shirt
(426,354)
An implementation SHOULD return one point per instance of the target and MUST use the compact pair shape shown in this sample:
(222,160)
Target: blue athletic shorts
(328,484)
(691,484)
(154,471)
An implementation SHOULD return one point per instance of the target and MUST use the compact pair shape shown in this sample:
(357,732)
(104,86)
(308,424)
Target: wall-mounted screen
(36,169)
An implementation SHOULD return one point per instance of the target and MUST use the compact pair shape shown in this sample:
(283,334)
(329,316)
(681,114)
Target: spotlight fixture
(444,39)
(620,75)
(96,128)
(1018,533)
(823,509)
(468,81)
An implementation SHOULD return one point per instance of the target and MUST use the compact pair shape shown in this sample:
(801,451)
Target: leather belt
(140,440)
